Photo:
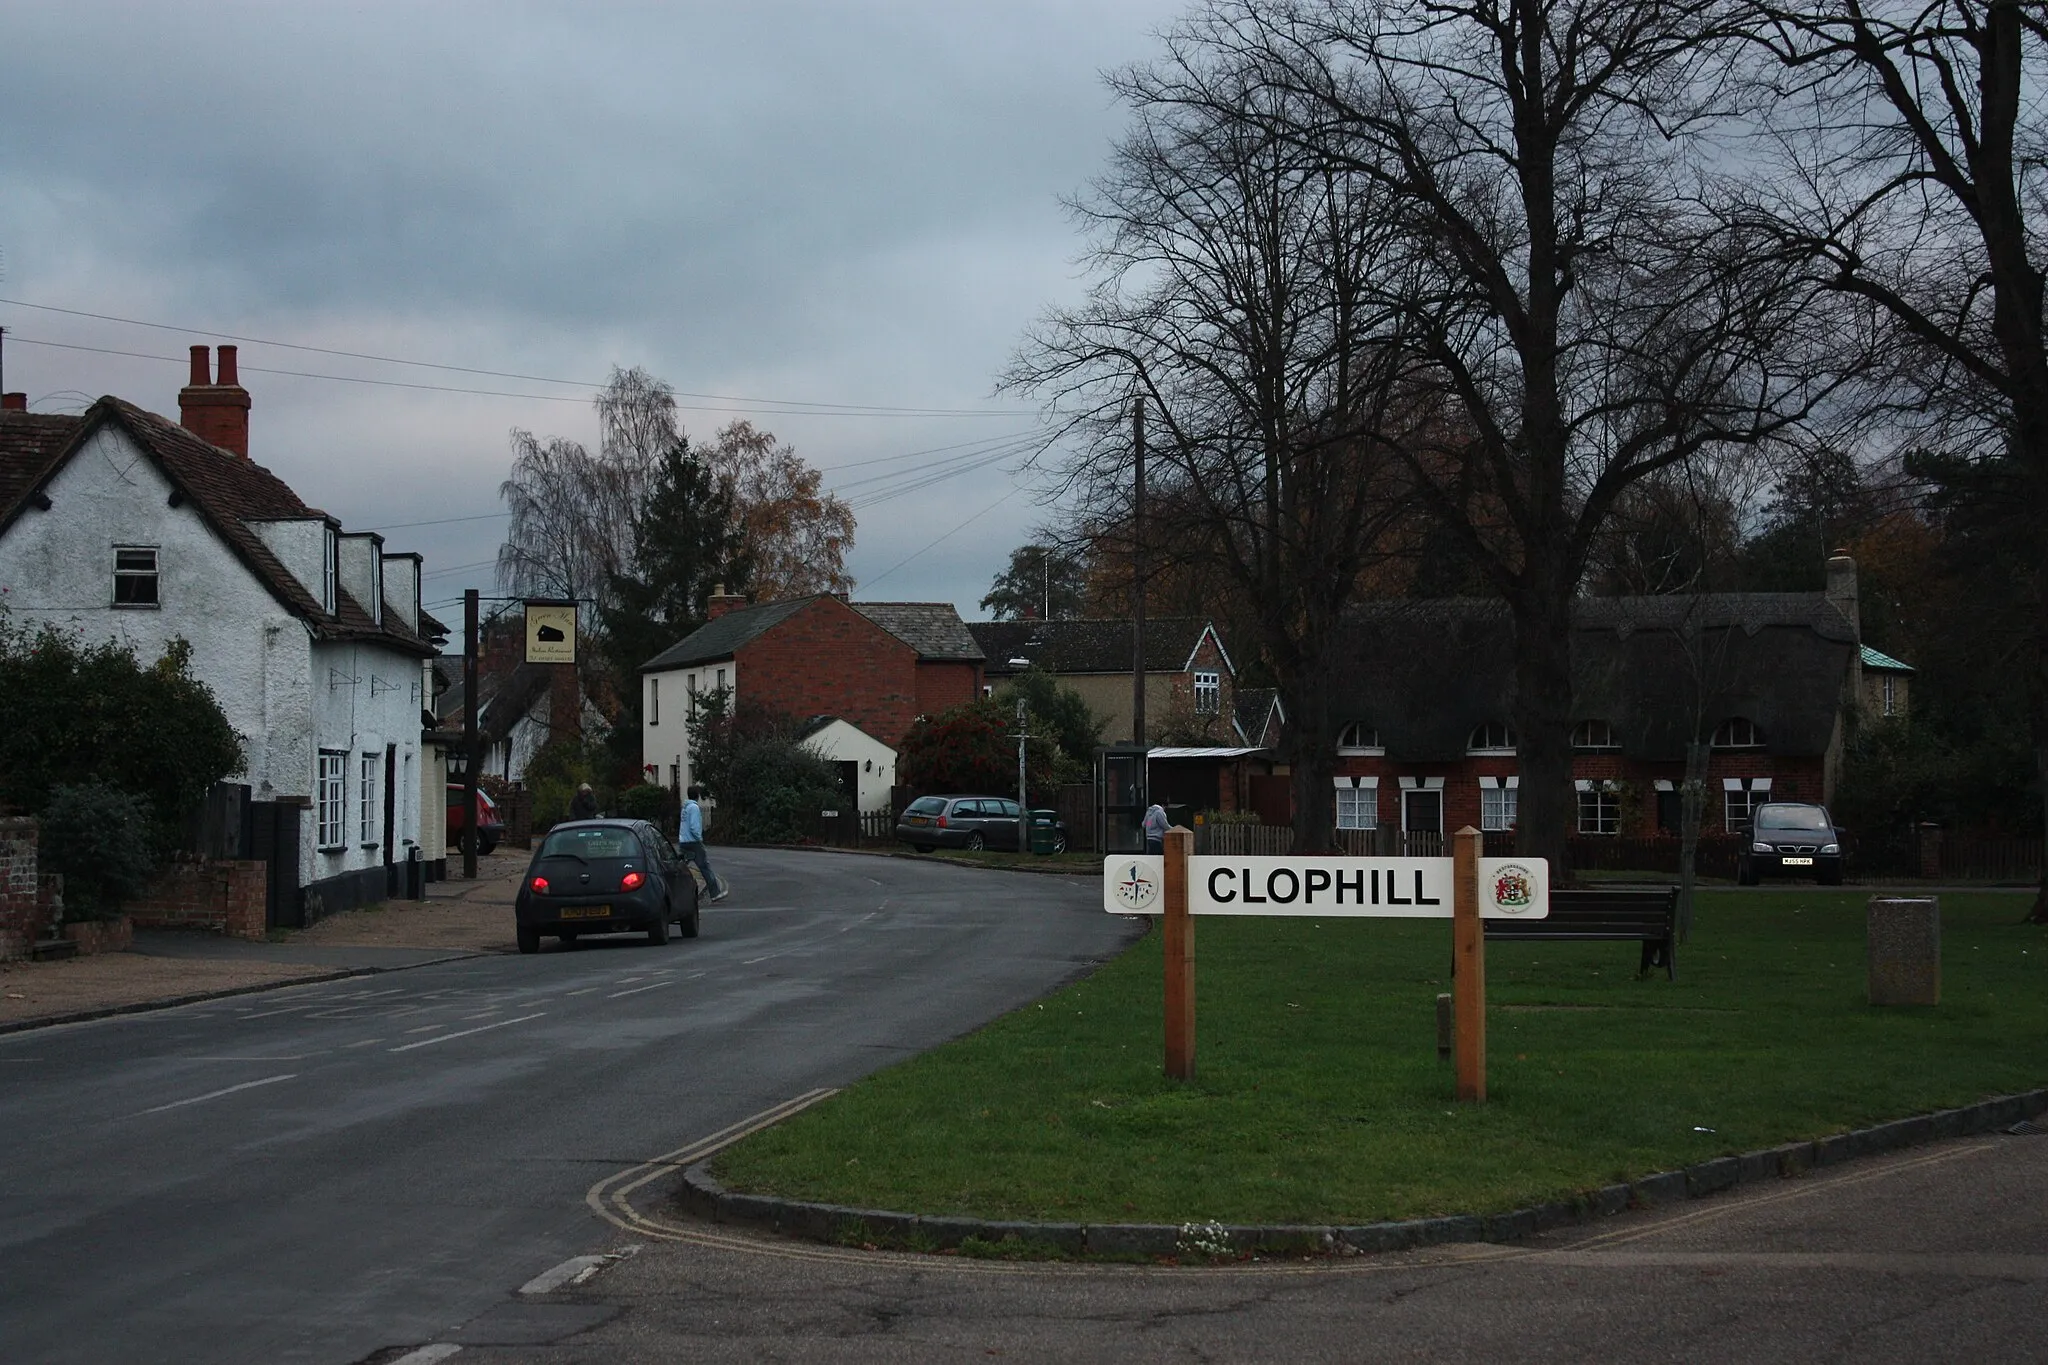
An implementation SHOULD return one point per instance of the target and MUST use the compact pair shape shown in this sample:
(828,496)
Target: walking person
(691,837)
(1155,828)
(583,805)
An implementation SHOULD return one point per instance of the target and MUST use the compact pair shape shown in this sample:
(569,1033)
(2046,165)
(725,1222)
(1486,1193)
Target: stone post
(1904,947)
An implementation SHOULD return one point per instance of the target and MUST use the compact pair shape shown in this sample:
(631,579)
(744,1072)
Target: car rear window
(591,844)
(926,805)
(1792,817)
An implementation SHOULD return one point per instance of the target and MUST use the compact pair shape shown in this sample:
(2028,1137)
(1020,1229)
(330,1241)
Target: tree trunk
(1313,759)
(1547,804)
(1691,809)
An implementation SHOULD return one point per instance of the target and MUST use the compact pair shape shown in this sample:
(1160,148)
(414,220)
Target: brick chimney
(216,411)
(721,602)
(13,402)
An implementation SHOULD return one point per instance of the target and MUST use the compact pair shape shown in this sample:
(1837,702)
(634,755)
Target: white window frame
(1499,800)
(331,793)
(654,700)
(1358,803)
(1593,734)
(1740,796)
(1359,739)
(1208,692)
(135,572)
(1492,737)
(1605,807)
(1726,736)
(1889,684)
(366,809)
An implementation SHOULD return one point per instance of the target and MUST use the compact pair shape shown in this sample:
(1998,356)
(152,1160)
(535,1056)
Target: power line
(792,404)
(869,583)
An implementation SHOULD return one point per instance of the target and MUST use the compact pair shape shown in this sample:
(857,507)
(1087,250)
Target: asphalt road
(327,1173)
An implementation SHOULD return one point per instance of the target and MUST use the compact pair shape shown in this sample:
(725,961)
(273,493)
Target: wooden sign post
(1468,967)
(1180,958)
(1465,888)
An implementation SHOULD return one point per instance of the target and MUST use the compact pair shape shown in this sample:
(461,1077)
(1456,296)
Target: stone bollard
(1903,941)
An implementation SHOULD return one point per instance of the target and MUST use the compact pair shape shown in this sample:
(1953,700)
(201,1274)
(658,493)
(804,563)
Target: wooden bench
(1648,914)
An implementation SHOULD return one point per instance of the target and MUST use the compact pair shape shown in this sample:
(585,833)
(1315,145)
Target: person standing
(691,837)
(583,805)
(1155,828)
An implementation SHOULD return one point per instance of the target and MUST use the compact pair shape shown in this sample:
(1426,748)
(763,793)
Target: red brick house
(877,666)
(1426,705)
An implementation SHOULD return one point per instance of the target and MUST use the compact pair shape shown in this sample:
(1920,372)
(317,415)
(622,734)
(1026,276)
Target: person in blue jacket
(691,837)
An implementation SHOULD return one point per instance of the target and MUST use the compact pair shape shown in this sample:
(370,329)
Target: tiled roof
(226,489)
(1253,712)
(933,629)
(721,639)
(1087,646)
(1883,662)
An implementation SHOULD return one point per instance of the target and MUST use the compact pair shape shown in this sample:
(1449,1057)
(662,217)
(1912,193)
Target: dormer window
(135,582)
(1738,732)
(1359,738)
(1493,737)
(1594,735)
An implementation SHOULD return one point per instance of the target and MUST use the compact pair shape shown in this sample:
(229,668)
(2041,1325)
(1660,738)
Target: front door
(1422,822)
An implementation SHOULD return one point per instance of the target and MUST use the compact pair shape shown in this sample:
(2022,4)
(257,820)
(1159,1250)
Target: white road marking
(365,1042)
(280,1057)
(428,1355)
(585,991)
(215,1094)
(495,1009)
(426,1028)
(481,1028)
(574,1271)
(637,989)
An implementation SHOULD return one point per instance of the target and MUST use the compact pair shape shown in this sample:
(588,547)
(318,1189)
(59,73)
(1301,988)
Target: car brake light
(631,882)
(540,886)
(942,822)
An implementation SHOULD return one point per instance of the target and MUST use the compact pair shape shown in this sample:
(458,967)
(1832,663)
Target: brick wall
(224,896)
(941,686)
(829,660)
(29,902)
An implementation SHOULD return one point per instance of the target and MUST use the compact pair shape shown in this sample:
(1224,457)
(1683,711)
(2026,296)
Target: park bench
(1645,913)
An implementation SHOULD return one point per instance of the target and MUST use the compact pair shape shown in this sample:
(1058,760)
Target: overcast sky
(853,204)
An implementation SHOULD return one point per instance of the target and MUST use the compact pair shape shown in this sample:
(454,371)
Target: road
(321,1173)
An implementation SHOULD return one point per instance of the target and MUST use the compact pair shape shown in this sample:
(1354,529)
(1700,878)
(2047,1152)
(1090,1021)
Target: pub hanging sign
(550,632)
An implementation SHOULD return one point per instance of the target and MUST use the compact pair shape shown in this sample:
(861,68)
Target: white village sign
(1464,888)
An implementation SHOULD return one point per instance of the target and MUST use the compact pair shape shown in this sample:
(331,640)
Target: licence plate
(1798,862)
(587,912)
(917,820)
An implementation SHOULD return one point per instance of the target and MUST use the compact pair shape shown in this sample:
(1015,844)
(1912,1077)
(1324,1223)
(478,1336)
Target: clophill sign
(1405,888)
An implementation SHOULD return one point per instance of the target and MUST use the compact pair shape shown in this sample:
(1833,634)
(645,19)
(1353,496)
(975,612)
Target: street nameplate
(1402,888)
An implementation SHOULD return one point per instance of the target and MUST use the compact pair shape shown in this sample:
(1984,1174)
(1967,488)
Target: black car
(1790,839)
(973,822)
(602,877)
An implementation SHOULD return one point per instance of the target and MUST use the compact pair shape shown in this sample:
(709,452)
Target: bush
(650,802)
(973,748)
(104,842)
(768,785)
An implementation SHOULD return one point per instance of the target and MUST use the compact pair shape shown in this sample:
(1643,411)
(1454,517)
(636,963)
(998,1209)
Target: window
(333,830)
(1740,800)
(134,576)
(330,570)
(1358,808)
(1494,737)
(654,701)
(1737,732)
(1497,800)
(1208,693)
(366,802)
(1359,738)
(1593,734)
(1599,807)
(1891,695)
(721,680)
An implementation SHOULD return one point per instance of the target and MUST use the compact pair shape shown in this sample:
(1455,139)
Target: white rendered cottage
(120,523)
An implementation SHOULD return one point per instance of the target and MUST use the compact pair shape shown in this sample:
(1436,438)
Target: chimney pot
(217,413)
(722,602)
(201,368)
(227,366)
(13,402)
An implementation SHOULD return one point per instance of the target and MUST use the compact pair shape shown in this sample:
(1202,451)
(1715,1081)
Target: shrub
(768,785)
(104,842)
(650,802)
(973,748)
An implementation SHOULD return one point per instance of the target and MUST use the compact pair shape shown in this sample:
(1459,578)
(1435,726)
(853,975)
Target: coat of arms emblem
(1513,889)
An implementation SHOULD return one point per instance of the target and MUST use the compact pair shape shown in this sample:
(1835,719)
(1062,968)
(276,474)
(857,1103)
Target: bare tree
(1585,317)
(1912,142)
(1231,283)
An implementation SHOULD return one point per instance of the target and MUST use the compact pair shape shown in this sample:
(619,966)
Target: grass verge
(1319,1097)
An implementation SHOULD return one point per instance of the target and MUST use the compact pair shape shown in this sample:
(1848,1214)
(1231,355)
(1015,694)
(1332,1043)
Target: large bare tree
(1231,283)
(1912,147)
(1586,317)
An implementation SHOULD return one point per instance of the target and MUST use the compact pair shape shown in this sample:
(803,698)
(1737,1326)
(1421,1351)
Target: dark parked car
(1790,839)
(490,829)
(965,822)
(601,877)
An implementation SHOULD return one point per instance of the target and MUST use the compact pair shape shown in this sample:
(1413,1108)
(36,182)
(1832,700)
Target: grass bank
(1319,1097)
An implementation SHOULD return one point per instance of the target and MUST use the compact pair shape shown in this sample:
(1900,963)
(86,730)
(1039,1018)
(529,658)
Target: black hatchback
(602,877)
(1790,839)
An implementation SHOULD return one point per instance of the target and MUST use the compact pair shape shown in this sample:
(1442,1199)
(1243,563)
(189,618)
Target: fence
(1985,857)
(1278,841)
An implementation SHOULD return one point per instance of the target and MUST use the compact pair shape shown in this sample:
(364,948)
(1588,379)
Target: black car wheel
(1746,873)
(689,923)
(975,843)
(1059,842)
(490,845)
(657,932)
(529,939)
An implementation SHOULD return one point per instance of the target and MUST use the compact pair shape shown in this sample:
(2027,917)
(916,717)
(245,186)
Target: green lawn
(1319,1097)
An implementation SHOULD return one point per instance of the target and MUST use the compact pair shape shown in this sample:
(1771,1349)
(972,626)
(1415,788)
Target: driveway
(1936,1254)
(320,1172)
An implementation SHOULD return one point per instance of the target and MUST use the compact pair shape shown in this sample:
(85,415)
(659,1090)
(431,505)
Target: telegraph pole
(1023,796)
(1138,576)
(472,836)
